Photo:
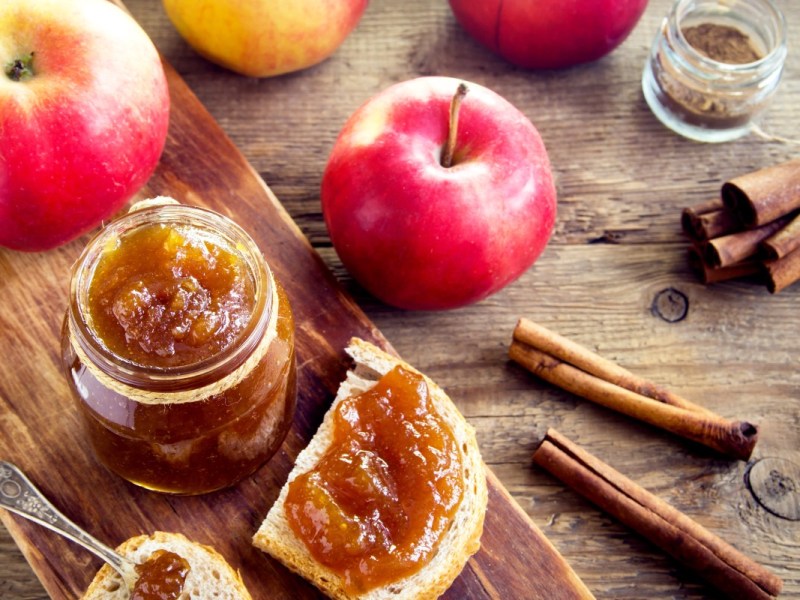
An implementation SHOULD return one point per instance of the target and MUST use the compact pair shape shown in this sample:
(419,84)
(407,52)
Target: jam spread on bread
(170,296)
(161,577)
(380,500)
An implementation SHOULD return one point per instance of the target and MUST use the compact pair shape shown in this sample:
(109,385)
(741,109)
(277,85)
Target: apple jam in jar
(179,346)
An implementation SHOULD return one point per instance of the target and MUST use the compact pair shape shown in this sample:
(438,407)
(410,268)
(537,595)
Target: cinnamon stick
(550,342)
(708,274)
(764,195)
(690,214)
(784,241)
(700,223)
(731,438)
(704,207)
(680,536)
(783,272)
(735,247)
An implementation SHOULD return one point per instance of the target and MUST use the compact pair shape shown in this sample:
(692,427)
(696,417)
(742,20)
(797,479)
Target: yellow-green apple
(421,231)
(84,110)
(262,38)
(549,34)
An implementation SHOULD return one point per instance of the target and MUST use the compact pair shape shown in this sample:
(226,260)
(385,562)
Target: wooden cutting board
(40,429)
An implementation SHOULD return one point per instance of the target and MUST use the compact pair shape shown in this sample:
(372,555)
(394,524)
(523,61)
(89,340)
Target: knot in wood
(775,483)
(671,305)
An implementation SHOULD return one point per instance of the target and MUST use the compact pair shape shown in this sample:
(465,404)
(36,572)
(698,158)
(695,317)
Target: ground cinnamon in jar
(722,43)
(714,67)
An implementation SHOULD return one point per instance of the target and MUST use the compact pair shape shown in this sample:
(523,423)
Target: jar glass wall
(711,95)
(185,386)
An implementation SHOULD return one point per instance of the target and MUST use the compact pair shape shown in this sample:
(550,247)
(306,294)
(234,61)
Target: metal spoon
(20,496)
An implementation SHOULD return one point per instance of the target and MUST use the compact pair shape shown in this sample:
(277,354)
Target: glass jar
(715,99)
(181,391)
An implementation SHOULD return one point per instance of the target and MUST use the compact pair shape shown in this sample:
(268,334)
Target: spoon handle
(19,495)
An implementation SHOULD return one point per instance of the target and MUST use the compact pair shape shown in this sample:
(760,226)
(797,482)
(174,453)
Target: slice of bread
(210,576)
(460,541)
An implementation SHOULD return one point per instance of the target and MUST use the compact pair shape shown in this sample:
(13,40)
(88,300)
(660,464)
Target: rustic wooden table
(610,279)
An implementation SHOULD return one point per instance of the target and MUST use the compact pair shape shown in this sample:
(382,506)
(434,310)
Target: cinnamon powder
(701,106)
(721,43)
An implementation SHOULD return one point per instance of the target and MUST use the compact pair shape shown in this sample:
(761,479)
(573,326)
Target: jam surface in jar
(168,295)
(378,503)
(161,577)
(179,347)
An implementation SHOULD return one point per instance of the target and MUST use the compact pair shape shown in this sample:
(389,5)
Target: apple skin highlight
(418,235)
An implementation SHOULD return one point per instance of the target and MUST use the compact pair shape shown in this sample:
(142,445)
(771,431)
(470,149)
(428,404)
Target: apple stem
(20,69)
(455,106)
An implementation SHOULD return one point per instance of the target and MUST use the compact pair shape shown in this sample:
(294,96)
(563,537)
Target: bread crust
(461,540)
(210,575)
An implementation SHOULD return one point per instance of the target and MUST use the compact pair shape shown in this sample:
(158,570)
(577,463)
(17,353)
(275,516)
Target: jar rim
(775,54)
(178,376)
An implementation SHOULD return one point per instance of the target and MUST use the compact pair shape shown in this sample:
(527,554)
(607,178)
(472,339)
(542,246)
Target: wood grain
(622,182)
(201,166)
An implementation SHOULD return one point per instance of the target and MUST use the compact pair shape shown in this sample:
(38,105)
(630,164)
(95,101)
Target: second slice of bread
(210,576)
(460,541)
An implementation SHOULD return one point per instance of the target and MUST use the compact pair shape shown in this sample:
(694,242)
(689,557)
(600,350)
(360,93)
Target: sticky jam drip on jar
(161,577)
(379,502)
(169,295)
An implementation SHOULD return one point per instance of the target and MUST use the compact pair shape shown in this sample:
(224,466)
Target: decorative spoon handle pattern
(19,495)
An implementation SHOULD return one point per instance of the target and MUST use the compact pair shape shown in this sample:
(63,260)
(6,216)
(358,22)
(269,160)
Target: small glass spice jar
(178,345)
(714,66)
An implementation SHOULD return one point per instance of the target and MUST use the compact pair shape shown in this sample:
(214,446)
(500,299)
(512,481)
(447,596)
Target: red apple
(549,34)
(420,235)
(84,109)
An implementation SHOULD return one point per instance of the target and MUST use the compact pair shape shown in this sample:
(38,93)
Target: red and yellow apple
(262,38)
(549,34)
(418,234)
(84,111)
